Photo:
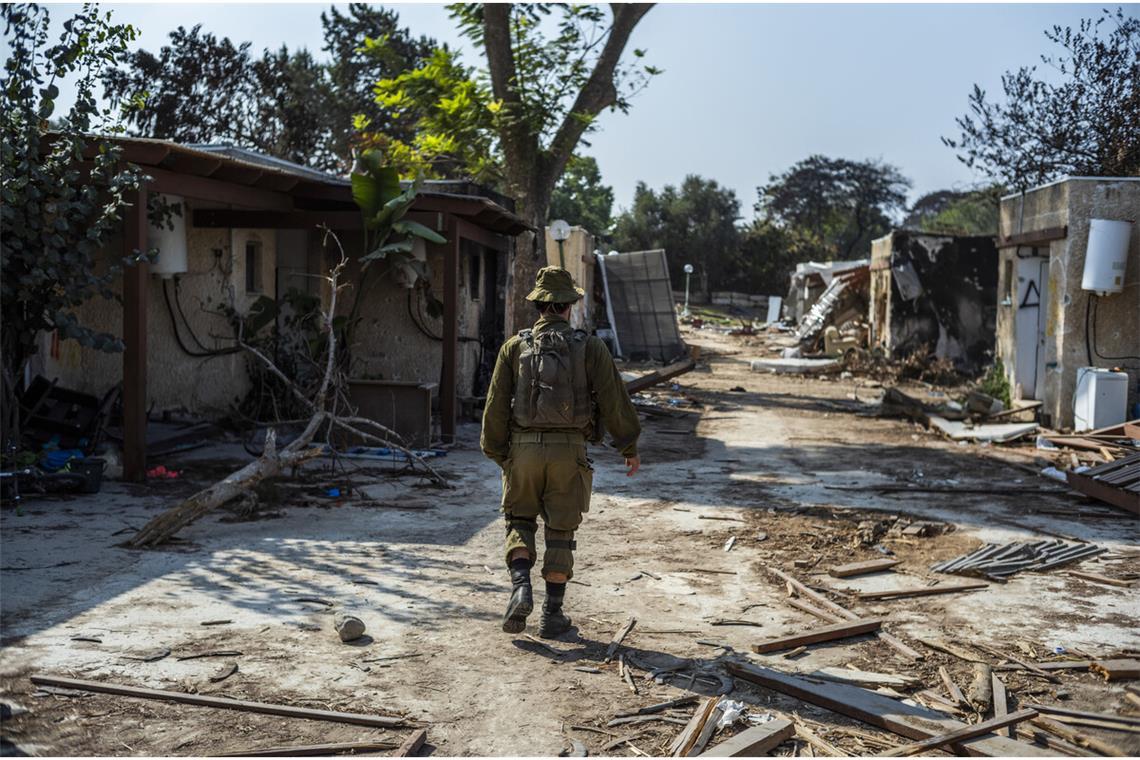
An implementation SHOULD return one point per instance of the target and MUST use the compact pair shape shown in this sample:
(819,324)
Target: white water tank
(1101,398)
(1107,255)
(171,243)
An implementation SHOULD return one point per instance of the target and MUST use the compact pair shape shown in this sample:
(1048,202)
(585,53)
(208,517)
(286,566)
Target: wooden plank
(957,735)
(223,703)
(1054,710)
(900,593)
(882,711)
(659,376)
(1106,725)
(1033,238)
(1101,578)
(1116,670)
(832,632)
(1059,665)
(1078,738)
(659,707)
(754,741)
(304,750)
(862,568)
(1001,702)
(900,647)
(707,731)
(961,654)
(1117,497)
(684,740)
(619,637)
(800,604)
(806,734)
(865,678)
(1031,668)
(820,599)
(952,689)
(412,744)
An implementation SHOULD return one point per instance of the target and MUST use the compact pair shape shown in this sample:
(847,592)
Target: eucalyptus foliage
(57,215)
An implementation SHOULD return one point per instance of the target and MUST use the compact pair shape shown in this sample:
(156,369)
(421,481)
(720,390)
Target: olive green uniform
(546,472)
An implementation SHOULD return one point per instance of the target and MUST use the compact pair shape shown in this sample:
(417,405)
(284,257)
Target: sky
(747,90)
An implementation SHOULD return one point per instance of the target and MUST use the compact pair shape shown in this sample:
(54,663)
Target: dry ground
(782,464)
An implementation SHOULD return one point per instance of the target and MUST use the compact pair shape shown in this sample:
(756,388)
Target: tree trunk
(530,249)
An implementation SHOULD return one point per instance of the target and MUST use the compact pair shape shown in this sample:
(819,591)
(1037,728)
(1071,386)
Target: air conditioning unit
(1101,399)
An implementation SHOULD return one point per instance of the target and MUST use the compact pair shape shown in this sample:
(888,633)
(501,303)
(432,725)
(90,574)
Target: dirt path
(422,567)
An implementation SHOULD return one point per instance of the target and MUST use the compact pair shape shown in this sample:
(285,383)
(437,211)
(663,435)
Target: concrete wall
(935,291)
(390,346)
(215,279)
(1073,202)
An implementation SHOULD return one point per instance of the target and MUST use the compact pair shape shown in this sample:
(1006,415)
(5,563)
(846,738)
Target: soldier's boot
(554,622)
(522,599)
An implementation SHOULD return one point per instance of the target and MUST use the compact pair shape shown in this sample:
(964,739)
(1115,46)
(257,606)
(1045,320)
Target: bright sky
(748,89)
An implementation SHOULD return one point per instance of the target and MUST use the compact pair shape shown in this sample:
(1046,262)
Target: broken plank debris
(862,568)
(881,711)
(755,741)
(900,593)
(827,633)
(966,732)
(1116,670)
(305,750)
(619,637)
(287,711)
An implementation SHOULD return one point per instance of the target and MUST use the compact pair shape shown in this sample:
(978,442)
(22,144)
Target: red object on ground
(162,472)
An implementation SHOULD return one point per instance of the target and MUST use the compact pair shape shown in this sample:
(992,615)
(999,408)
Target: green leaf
(408,227)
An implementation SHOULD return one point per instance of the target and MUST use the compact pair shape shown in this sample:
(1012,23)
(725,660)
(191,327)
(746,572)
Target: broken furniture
(71,418)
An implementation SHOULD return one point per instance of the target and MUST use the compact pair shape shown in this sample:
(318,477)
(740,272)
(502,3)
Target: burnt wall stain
(944,296)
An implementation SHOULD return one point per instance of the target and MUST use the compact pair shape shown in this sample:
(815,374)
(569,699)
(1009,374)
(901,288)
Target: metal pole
(561,259)
(686,311)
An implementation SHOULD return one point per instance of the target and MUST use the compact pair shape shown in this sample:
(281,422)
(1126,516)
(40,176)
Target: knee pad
(521,535)
(559,554)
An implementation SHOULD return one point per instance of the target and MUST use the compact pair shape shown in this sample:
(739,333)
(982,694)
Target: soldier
(554,388)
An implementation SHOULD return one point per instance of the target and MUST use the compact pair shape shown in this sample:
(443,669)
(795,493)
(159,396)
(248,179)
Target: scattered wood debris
(1116,670)
(755,741)
(619,637)
(900,593)
(827,633)
(862,568)
(1000,561)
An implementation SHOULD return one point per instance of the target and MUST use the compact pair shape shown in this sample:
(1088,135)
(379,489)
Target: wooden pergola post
(134,336)
(448,391)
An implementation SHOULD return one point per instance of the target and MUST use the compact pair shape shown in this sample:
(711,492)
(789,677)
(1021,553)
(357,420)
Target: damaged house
(1068,323)
(934,291)
(248,232)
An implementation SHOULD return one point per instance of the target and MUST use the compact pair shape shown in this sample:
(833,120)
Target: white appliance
(170,240)
(1107,256)
(1101,398)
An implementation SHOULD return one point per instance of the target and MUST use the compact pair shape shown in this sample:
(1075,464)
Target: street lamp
(688,273)
(560,231)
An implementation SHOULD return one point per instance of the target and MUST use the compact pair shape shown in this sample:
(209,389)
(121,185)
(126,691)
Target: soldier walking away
(554,388)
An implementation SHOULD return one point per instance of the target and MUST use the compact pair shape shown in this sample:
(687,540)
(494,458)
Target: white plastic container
(171,243)
(1101,398)
(1107,256)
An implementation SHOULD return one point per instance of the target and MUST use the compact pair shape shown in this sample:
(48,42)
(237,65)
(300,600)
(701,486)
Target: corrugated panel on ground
(640,304)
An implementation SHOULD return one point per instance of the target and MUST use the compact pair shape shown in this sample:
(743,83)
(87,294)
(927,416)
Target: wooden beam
(1128,720)
(1033,238)
(900,593)
(957,735)
(449,384)
(305,750)
(224,218)
(882,711)
(483,236)
(1117,497)
(209,189)
(1117,670)
(862,568)
(135,291)
(224,703)
(755,741)
(831,632)
(650,379)
(412,744)
(1001,701)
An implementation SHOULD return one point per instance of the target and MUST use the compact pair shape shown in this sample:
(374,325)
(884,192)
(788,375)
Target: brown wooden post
(135,283)
(448,392)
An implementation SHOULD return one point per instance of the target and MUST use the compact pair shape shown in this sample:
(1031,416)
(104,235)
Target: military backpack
(552,390)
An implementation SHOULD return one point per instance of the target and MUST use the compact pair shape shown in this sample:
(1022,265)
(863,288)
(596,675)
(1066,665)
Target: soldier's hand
(634,464)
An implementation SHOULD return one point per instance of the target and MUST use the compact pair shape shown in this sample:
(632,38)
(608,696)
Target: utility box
(1101,399)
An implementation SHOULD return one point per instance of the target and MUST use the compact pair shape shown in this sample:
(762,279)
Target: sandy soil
(781,464)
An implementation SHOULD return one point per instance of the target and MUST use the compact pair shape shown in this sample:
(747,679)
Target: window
(252,266)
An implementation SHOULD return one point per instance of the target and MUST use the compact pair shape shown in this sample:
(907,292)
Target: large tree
(957,212)
(57,214)
(834,207)
(1082,120)
(695,223)
(551,70)
(580,197)
(199,88)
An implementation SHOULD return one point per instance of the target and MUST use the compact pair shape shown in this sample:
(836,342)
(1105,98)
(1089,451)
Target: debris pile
(1000,561)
